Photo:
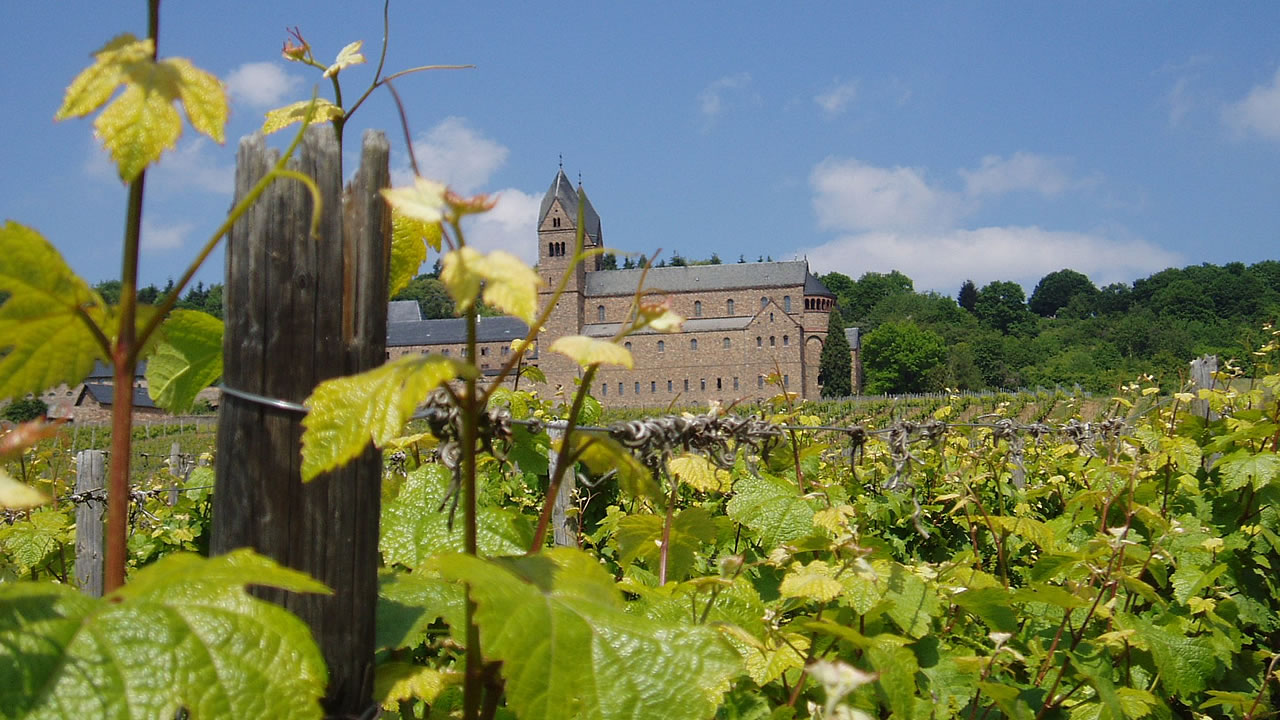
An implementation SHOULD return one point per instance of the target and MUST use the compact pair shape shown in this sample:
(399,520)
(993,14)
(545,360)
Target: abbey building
(745,322)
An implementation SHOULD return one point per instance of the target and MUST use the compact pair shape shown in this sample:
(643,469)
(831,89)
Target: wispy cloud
(453,153)
(836,99)
(1022,171)
(262,84)
(714,97)
(162,236)
(1258,112)
(896,219)
(510,225)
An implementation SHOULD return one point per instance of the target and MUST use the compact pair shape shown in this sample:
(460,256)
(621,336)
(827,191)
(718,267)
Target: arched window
(599,313)
(759,341)
(729,306)
(693,344)
(669,386)
(697,308)
(619,388)
(759,381)
(735,383)
(773,341)
(555,222)
(662,346)
(704,383)
(604,389)
(551,249)
(637,387)
(727,343)
(627,345)
(770,317)
(786,303)
(786,340)
(653,386)
(686,384)
(764,302)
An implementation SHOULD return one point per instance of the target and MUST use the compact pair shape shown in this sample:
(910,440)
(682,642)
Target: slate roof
(403,311)
(454,330)
(737,322)
(105,395)
(694,278)
(561,189)
(103,371)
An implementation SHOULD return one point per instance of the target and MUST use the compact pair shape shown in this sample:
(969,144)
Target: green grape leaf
(415,527)
(912,603)
(602,454)
(28,542)
(509,284)
(1243,467)
(45,339)
(778,654)
(408,603)
(640,537)
(409,239)
(698,473)
(139,125)
(815,581)
(770,507)
(186,361)
(345,414)
(348,56)
(992,604)
(569,649)
(1186,664)
(283,117)
(19,496)
(897,667)
(588,351)
(396,681)
(182,634)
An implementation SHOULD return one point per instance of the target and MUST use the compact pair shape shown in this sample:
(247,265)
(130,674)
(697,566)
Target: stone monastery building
(745,321)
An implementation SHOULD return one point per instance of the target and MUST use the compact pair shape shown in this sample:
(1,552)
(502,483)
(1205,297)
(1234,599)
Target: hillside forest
(1067,332)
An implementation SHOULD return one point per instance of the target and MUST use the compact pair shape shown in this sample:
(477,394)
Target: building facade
(745,321)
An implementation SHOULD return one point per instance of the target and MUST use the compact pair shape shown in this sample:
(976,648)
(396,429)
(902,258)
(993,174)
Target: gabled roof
(403,311)
(106,394)
(561,189)
(693,278)
(450,331)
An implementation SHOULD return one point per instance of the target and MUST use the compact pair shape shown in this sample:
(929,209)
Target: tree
(835,365)
(902,357)
(431,296)
(608,261)
(715,259)
(109,290)
(968,297)
(20,411)
(1057,289)
(873,287)
(1002,305)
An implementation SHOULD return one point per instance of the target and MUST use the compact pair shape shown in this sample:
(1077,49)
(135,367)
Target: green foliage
(183,634)
(1002,306)
(902,358)
(20,411)
(835,365)
(968,296)
(188,360)
(1060,289)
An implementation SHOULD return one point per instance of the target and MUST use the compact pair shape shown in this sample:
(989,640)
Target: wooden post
(91,475)
(301,309)
(564,528)
(177,471)
(1202,370)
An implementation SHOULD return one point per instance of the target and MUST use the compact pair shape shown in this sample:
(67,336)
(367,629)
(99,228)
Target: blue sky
(992,141)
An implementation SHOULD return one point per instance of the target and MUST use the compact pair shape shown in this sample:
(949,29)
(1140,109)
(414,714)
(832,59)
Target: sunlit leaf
(395,681)
(639,537)
(187,361)
(510,285)
(45,340)
(19,496)
(182,634)
(345,414)
(96,83)
(592,351)
(409,240)
(348,56)
(283,117)
(698,473)
(203,97)
(770,507)
(569,650)
(814,581)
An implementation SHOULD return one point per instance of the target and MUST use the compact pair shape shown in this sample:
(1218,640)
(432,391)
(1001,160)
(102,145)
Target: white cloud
(193,165)
(1021,171)
(262,84)
(942,260)
(854,196)
(835,100)
(157,236)
(1258,112)
(712,99)
(511,225)
(453,153)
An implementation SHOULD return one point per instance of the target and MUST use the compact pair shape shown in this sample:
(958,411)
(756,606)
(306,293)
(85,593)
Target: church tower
(557,233)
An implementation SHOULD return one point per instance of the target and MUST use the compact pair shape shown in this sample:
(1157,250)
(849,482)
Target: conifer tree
(835,365)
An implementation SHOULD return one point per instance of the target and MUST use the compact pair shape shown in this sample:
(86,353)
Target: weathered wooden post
(564,528)
(1202,370)
(301,309)
(91,476)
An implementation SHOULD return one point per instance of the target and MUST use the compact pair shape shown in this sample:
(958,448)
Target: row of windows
(556,249)
(653,385)
(726,343)
(484,351)
(697,304)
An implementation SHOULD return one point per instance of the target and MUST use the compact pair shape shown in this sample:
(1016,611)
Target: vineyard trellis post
(1202,370)
(91,477)
(301,309)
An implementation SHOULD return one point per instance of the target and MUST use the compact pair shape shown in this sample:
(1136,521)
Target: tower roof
(561,189)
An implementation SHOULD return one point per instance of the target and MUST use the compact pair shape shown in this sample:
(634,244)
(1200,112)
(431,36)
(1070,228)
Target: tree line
(1068,332)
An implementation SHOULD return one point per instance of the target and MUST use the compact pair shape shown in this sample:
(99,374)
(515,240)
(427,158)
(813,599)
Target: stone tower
(557,233)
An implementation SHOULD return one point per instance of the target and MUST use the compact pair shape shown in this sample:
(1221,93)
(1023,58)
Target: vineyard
(414,538)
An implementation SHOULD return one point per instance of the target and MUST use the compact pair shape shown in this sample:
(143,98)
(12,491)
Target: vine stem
(124,365)
(665,551)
